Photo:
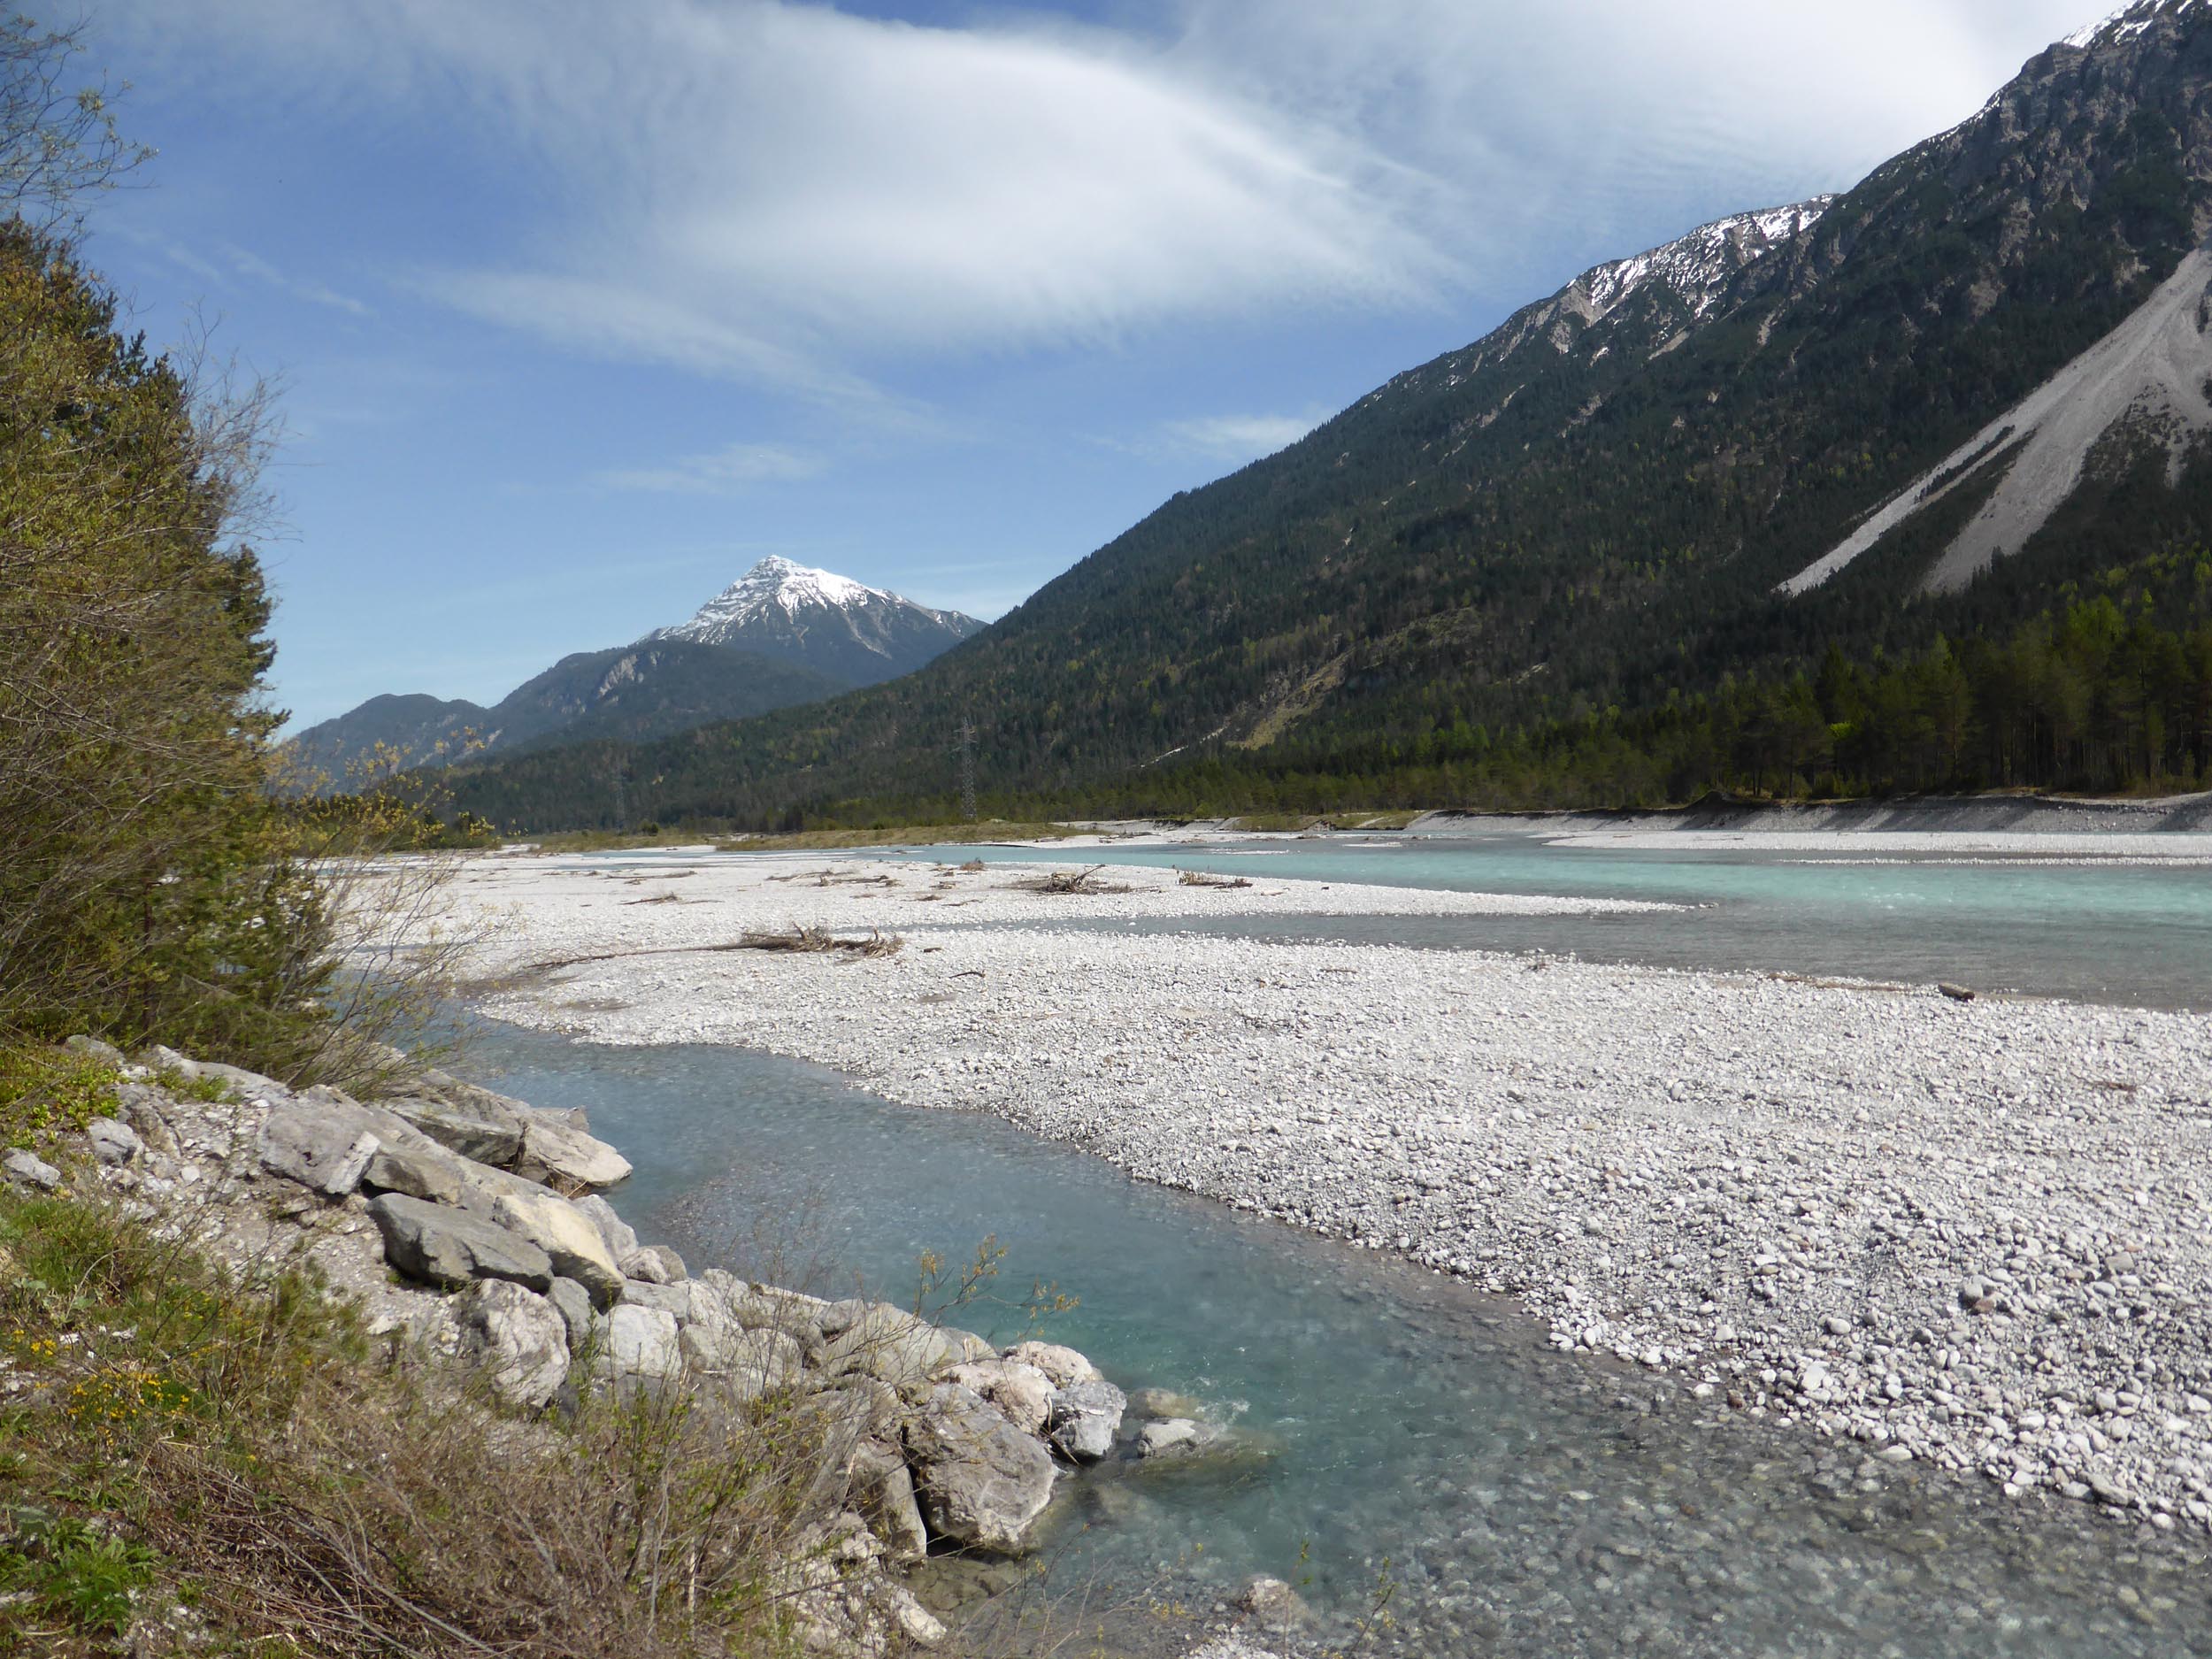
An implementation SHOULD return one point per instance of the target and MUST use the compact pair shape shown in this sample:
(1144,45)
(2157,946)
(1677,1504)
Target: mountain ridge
(730,660)
(1595,505)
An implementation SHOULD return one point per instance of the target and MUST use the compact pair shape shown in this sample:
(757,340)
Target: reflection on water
(1401,1431)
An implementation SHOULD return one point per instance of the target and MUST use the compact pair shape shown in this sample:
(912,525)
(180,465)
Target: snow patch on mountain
(2129,21)
(1697,267)
(774,584)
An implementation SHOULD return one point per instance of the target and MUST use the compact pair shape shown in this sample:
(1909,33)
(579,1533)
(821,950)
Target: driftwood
(821,940)
(1072,881)
(1199,878)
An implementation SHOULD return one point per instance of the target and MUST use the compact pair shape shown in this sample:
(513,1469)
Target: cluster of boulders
(471,1226)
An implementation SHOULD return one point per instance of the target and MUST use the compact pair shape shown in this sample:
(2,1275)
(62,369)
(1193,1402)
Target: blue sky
(581,308)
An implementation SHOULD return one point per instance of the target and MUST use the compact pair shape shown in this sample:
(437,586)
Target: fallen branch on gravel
(1199,878)
(815,939)
(821,940)
(1071,882)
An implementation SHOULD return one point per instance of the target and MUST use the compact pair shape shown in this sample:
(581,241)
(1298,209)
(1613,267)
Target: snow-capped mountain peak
(775,583)
(823,620)
(2129,21)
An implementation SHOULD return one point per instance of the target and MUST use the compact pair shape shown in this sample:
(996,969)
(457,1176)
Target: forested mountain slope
(1593,508)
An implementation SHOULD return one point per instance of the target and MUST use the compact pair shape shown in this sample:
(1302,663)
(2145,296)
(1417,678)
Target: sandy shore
(1977,1233)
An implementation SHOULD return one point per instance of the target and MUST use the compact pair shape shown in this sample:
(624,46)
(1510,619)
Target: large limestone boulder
(567,1237)
(517,1338)
(883,1495)
(325,1152)
(1064,1365)
(878,1339)
(452,1247)
(722,1297)
(640,1343)
(475,1123)
(656,1265)
(567,1159)
(746,1364)
(621,1236)
(437,1177)
(1084,1420)
(1022,1393)
(981,1482)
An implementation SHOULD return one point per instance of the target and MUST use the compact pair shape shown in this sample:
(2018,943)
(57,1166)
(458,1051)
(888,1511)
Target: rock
(1164,1403)
(981,1483)
(883,1492)
(916,1622)
(1168,1435)
(2107,1490)
(674,1300)
(889,1344)
(326,1155)
(572,1303)
(568,1158)
(1064,1365)
(27,1169)
(452,1247)
(1022,1393)
(93,1048)
(620,1237)
(747,1363)
(1272,1603)
(640,1342)
(475,1123)
(433,1178)
(140,1109)
(1084,1418)
(656,1265)
(113,1143)
(568,1239)
(518,1339)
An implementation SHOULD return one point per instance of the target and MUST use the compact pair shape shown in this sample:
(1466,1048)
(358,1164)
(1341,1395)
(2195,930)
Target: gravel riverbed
(1975,1234)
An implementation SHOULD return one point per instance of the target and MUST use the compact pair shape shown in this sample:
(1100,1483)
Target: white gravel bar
(1980,1233)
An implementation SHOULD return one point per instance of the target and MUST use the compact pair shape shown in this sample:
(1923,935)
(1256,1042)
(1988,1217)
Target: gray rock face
(1084,1418)
(519,1338)
(883,1493)
(567,1158)
(981,1481)
(113,1143)
(29,1169)
(434,1179)
(486,1135)
(747,1363)
(452,1247)
(877,1340)
(324,1153)
(567,1237)
(656,1265)
(621,1236)
(670,1299)
(1064,1365)
(641,1343)
(572,1301)
(1021,1393)
(93,1048)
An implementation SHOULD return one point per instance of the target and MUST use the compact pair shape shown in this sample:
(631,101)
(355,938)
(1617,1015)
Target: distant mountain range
(1972,387)
(782,634)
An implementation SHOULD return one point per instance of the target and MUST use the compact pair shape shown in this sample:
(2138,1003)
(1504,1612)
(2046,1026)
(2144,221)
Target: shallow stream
(1406,1444)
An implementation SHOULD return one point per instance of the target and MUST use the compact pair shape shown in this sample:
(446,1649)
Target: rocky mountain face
(1628,491)
(782,636)
(823,621)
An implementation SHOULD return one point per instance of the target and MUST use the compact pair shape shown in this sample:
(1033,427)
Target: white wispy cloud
(790,195)
(1239,437)
(724,472)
